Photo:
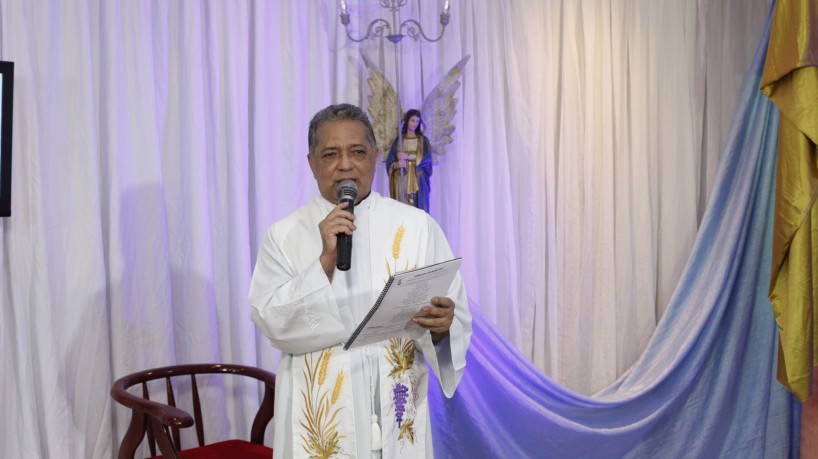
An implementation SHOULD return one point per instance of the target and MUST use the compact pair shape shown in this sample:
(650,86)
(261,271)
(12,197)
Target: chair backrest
(161,422)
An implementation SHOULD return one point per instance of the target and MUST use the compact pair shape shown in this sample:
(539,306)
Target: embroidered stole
(404,381)
(323,406)
(323,416)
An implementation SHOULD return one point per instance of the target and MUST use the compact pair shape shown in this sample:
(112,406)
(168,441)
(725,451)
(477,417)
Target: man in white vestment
(369,401)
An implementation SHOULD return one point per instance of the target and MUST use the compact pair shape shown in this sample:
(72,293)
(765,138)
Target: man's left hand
(437,317)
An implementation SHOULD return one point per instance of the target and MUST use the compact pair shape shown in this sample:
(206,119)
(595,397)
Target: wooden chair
(161,422)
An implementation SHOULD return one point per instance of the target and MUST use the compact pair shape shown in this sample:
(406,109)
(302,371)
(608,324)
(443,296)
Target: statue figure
(409,173)
(409,164)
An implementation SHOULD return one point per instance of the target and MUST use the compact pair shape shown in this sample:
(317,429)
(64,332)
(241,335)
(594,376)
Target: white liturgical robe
(327,398)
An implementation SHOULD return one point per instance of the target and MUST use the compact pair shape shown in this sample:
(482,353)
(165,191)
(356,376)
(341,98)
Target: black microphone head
(347,191)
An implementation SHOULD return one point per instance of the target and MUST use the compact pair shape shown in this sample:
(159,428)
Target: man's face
(342,152)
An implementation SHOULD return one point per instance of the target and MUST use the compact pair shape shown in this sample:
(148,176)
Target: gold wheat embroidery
(339,382)
(396,242)
(322,439)
(322,374)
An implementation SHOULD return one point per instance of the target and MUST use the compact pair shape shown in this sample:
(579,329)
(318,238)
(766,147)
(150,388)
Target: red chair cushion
(230,449)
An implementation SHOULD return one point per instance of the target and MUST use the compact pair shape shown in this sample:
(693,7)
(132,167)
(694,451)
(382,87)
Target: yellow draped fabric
(407,178)
(790,80)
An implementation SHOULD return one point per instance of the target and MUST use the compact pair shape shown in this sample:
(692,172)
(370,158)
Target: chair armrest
(169,415)
(253,372)
(166,414)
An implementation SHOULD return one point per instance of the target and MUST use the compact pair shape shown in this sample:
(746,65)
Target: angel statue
(414,144)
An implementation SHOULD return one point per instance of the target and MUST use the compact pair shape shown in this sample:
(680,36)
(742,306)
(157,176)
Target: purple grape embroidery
(399,395)
(401,356)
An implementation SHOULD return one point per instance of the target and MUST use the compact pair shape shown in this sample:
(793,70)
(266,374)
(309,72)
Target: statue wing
(384,108)
(439,108)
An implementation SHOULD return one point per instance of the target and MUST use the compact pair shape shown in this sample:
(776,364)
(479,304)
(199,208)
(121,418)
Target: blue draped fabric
(705,386)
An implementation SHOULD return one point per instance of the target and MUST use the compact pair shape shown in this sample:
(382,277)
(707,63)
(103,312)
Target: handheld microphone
(347,191)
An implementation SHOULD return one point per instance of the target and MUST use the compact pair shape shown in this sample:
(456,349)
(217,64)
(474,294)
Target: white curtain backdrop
(154,142)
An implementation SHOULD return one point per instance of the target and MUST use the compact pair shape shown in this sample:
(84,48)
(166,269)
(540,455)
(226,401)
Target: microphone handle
(343,246)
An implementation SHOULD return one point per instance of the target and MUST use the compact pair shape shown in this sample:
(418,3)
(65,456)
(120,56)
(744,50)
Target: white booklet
(400,300)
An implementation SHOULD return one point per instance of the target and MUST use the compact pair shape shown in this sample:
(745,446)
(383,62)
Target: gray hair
(336,113)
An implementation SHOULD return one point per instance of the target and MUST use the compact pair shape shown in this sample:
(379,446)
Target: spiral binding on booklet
(369,314)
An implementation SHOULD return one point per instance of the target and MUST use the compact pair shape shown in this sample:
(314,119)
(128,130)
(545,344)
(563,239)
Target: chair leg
(163,439)
(133,436)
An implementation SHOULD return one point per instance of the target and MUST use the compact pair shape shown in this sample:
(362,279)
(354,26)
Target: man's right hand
(339,220)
